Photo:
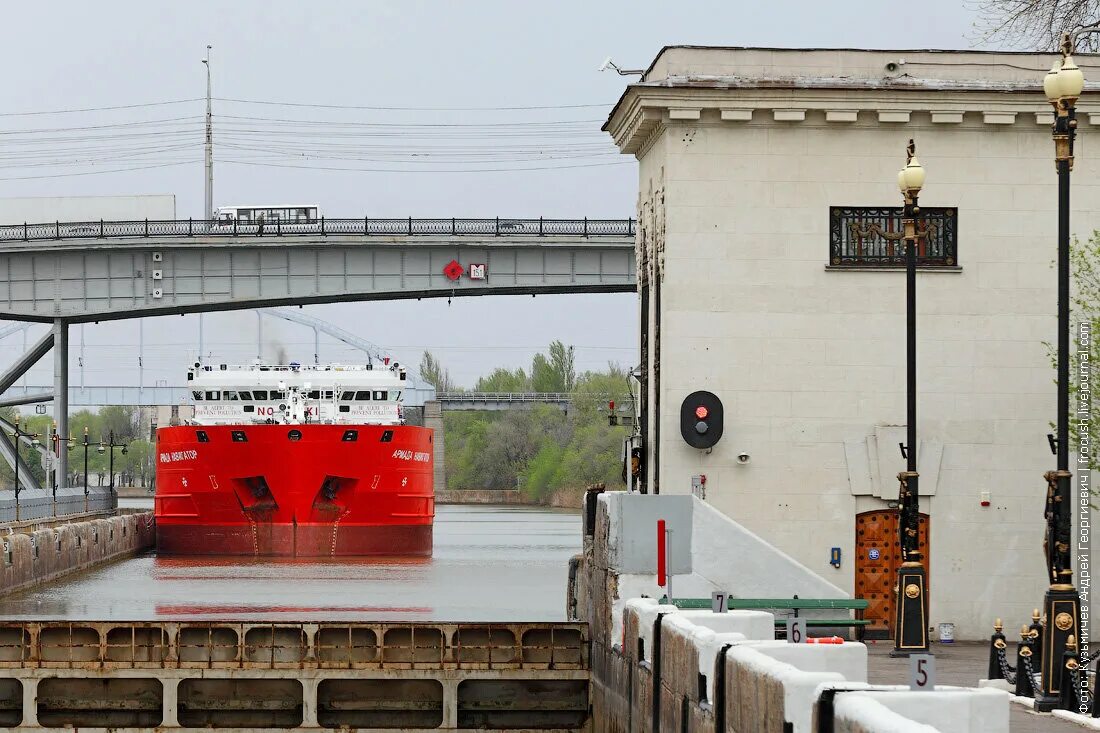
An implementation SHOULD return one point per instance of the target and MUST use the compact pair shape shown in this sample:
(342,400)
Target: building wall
(810,361)
(86,208)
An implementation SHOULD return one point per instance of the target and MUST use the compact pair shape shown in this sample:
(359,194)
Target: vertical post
(586,226)
(61,395)
(146,227)
(57,230)
(111,461)
(85,470)
(209,145)
(668,564)
(453,227)
(911,607)
(17,436)
(1061,603)
(497,230)
(662,568)
(540,226)
(410,226)
(101,228)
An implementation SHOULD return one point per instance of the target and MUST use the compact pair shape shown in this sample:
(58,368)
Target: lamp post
(111,445)
(1063,85)
(86,444)
(19,435)
(911,607)
(55,445)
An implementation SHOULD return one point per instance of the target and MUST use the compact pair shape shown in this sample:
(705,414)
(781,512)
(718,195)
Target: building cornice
(645,106)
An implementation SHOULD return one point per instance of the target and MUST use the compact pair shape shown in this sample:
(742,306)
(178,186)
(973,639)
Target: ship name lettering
(179,455)
(405,455)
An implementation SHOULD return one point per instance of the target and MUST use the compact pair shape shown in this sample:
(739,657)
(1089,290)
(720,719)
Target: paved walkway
(962,663)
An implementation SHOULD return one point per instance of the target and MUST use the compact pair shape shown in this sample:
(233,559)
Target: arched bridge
(87,271)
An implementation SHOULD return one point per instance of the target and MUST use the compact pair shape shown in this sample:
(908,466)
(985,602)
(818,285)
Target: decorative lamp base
(1062,607)
(911,620)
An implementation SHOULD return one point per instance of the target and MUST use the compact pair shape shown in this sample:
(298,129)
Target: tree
(503,380)
(1035,24)
(1084,260)
(432,372)
(563,364)
(124,422)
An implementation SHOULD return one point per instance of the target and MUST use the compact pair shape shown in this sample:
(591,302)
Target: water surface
(491,563)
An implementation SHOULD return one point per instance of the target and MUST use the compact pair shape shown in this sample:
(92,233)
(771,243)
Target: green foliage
(503,380)
(135,467)
(432,372)
(1084,261)
(542,450)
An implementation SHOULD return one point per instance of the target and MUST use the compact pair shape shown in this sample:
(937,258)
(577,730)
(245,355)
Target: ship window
(350,436)
(379,394)
(294,435)
(249,408)
(328,394)
(229,395)
(214,395)
(345,408)
(315,394)
(202,436)
(277,395)
(259,394)
(245,395)
(387,436)
(395,395)
(364,396)
(239,436)
(197,395)
(347,396)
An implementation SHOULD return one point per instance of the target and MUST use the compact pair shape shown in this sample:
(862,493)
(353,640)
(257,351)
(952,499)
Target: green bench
(795,604)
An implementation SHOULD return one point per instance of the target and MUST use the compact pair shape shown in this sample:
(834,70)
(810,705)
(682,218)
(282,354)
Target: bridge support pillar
(30,701)
(170,702)
(450,704)
(309,702)
(433,418)
(61,399)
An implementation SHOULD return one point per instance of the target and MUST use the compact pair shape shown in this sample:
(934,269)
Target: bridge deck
(106,270)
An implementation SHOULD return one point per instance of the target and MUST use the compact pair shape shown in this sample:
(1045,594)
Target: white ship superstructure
(258,394)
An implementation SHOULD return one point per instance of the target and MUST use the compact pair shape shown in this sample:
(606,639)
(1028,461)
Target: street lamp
(911,607)
(55,445)
(1063,85)
(86,444)
(111,445)
(19,434)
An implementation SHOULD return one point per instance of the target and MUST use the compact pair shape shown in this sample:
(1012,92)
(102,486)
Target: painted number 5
(922,672)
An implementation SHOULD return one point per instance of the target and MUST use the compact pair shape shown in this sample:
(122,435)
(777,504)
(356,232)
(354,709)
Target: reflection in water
(490,564)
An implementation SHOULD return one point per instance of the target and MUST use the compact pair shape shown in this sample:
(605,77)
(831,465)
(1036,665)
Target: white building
(753,166)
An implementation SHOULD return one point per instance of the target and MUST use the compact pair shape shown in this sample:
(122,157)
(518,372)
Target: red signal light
(611,406)
(701,412)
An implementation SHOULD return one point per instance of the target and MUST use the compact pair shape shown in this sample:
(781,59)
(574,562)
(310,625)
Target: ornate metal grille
(864,236)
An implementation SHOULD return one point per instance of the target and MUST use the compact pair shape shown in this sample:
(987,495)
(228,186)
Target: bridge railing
(366,226)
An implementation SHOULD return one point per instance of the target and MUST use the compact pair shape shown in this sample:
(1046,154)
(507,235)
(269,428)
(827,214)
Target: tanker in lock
(292,460)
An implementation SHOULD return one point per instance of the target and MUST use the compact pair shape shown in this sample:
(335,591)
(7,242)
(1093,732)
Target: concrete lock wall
(702,671)
(656,679)
(198,675)
(38,557)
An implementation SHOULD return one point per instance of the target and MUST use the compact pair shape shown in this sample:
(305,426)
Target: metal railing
(365,226)
(865,236)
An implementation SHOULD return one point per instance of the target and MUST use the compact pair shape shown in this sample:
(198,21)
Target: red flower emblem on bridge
(453,270)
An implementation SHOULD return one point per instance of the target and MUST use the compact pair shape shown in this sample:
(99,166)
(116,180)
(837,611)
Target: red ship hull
(294,490)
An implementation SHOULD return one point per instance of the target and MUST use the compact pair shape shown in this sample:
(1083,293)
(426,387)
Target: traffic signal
(701,419)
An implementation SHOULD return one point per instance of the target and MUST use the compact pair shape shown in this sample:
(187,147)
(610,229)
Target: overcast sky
(446,56)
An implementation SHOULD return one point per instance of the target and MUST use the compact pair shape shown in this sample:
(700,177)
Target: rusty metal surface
(271,646)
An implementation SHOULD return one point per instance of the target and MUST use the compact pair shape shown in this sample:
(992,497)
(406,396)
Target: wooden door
(878,557)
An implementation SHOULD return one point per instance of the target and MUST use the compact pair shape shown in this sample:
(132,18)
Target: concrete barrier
(27,560)
(656,668)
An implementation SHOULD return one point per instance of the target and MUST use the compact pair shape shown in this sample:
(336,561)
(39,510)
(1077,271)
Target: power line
(422,170)
(410,109)
(95,173)
(101,109)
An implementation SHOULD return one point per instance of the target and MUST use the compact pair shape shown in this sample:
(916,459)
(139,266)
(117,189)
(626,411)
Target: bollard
(1024,657)
(997,645)
(1067,693)
(1036,632)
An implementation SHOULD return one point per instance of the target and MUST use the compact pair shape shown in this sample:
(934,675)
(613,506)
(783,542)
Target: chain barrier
(1007,671)
(1035,679)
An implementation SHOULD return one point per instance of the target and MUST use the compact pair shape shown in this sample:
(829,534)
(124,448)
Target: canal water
(490,563)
